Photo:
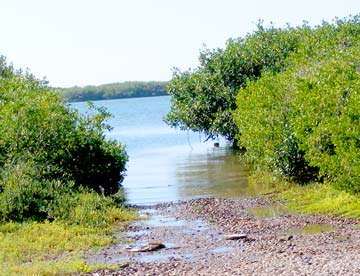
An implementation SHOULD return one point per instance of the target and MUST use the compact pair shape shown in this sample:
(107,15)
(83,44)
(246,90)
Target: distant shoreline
(112,91)
(122,98)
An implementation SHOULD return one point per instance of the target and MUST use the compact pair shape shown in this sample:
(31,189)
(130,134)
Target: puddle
(147,211)
(187,227)
(144,232)
(153,258)
(168,245)
(199,225)
(161,257)
(222,249)
(312,229)
(164,221)
(269,211)
(148,257)
(132,234)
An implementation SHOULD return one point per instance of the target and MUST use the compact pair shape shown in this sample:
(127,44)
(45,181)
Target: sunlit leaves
(203,99)
(43,142)
(303,121)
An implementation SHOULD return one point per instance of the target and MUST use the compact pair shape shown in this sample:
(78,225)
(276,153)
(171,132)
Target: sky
(92,42)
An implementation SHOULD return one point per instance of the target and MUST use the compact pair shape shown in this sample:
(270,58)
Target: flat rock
(151,246)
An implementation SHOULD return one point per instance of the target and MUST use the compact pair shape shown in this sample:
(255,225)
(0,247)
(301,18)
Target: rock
(235,237)
(286,238)
(151,246)
(124,265)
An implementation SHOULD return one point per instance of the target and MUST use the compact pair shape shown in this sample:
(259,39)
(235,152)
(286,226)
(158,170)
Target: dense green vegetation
(48,152)
(304,122)
(130,89)
(289,96)
(59,179)
(203,99)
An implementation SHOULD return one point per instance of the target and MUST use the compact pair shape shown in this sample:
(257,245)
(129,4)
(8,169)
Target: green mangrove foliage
(203,99)
(49,153)
(289,96)
(130,89)
(303,122)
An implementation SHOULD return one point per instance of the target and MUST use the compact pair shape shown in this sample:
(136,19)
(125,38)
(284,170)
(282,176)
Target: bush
(265,120)
(304,122)
(89,209)
(204,99)
(23,196)
(48,149)
(327,122)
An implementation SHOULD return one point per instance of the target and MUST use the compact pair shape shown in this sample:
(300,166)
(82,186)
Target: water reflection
(181,173)
(269,211)
(218,172)
(312,229)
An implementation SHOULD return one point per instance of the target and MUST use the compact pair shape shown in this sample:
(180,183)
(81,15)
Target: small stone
(286,238)
(124,265)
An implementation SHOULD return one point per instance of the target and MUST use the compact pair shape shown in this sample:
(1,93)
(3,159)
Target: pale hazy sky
(80,42)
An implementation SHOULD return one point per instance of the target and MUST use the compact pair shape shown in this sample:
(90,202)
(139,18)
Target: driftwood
(235,237)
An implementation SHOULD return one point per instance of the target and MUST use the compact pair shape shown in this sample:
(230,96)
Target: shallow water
(167,164)
(313,229)
(175,248)
(269,211)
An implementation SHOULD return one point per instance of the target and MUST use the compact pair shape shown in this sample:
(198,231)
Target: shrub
(264,118)
(204,99)
(304,122)
(327,122)
(89,209)
(23,196)
(48,149)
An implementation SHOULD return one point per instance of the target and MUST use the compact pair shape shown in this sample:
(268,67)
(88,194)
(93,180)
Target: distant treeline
(131,89)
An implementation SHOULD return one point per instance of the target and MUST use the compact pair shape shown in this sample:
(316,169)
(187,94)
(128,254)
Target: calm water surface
(167,164)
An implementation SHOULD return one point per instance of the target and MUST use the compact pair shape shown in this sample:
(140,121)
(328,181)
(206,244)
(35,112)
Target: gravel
(194,233)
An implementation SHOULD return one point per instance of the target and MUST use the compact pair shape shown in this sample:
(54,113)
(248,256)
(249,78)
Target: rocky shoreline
(269,240)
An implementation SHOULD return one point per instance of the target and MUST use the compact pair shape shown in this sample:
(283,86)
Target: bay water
(167,164)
